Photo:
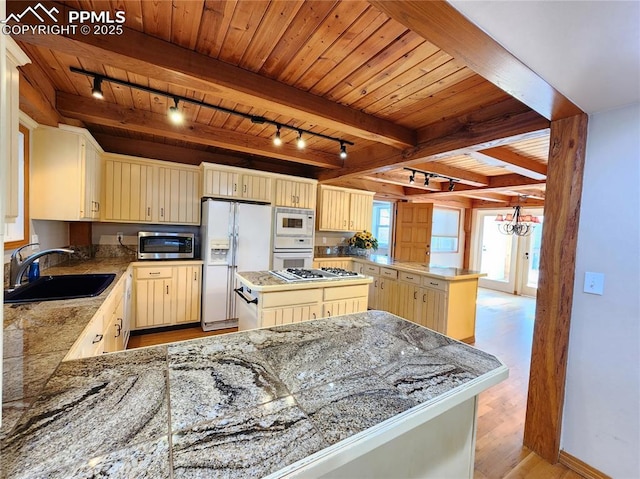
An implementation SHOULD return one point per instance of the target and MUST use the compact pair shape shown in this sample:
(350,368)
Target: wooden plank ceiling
(343,69)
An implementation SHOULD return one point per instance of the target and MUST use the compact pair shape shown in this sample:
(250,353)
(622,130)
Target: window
(16,231)
(381,225)
(444,232)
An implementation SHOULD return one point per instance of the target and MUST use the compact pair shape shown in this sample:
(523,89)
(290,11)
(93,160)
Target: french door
(510,262)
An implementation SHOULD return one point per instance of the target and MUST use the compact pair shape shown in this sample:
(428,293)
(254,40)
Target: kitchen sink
(68,286)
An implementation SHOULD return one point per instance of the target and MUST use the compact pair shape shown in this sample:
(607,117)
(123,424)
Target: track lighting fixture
(276,139)
(96,91)
(343,150)
(300,143)
(175,115)
(428,176)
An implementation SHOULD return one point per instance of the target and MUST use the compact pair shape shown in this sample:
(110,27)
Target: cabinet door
(128,191)
(220,183)
(344,306)
(153,302)
(374,291)
(433,312)
(186,301)
(289,315)
(256,187)
(334,210)
(407,299)
(306,195)
(387,297)
(360,212)
(178,198)
(91,181)
(286,193)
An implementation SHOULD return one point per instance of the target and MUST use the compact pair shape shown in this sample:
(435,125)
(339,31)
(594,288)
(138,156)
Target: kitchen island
(438,297)
(267,300)
(366,394)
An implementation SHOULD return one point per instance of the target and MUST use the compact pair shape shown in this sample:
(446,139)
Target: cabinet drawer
(410,277)
(344,292)
(438,284)
(389,273)
(289,298)
(369,269)
(154,273)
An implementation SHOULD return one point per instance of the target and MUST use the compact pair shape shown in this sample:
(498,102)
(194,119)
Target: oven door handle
(240,292)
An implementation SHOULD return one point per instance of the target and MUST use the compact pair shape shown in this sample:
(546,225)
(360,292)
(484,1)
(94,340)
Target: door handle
(526,255)
(240,292)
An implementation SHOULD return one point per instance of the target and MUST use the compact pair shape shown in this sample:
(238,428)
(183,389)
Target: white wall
(601,423)
(51,234)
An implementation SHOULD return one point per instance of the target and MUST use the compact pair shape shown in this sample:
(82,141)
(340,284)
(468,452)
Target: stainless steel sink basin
(69,286)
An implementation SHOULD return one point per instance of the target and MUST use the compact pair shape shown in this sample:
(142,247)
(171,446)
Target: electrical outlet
(119,237)
(594,283)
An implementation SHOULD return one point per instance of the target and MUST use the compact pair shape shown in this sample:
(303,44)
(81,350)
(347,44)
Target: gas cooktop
(302,274)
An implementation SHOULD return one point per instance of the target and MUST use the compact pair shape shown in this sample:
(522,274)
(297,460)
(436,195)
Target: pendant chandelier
(517,223)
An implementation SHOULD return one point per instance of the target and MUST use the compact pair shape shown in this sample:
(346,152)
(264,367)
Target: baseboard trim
(163,329)
(582,468)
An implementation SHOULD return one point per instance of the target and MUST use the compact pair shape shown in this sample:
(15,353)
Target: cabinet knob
(167,289)
(97,339)
(415,295)
(162,212)
(118,330)
(424,298)
(244,188)
(148,211)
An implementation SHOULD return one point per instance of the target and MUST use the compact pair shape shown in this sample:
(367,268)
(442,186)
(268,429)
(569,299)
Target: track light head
(412,177)
(276,139)
(300,141)
(343,150)
(452,185)
(426,180)
(175,115)
(96,91)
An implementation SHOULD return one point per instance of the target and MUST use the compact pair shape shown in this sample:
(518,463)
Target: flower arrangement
(364,240)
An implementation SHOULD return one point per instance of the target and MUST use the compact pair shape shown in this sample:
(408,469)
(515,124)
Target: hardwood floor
(504,327)
(152,339)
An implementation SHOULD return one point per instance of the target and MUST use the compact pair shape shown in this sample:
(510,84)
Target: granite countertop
(246,404)
(439,272)
(38,335)
(263,281)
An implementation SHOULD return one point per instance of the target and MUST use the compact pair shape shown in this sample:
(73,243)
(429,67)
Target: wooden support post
(555,287)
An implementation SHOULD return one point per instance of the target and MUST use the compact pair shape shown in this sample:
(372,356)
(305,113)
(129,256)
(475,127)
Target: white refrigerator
(234,237)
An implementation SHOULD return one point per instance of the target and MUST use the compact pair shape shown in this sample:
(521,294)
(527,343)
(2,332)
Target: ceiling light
(343,150)
(452,185)
(276,139)
(175,115)
(300,141)
(96,91)
(516,224)
(412,177)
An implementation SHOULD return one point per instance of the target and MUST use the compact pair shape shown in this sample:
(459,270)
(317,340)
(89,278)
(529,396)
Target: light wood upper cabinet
(149,191)
(65,174)
(341,209)
(296,194)
(128,191)
(229,182)
(10,168)
(178,200)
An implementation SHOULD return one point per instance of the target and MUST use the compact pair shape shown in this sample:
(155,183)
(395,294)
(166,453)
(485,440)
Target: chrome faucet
(18,266)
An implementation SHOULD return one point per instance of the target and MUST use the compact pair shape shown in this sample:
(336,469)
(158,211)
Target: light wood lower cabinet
(274,308)
(108,330)
(166,294)
(448,307)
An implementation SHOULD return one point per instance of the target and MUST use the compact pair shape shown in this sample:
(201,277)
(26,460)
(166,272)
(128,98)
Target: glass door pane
(532,261)
(496,256)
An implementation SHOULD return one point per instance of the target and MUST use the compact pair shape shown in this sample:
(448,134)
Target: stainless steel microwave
(160,245)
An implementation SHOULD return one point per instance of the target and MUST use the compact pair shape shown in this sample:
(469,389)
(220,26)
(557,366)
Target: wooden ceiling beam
(380,188)
(152,57)
(395,179)
(487,196)
(497,184)
(109,114)
(492,126)
(465,176)
(441,24)
(193,156)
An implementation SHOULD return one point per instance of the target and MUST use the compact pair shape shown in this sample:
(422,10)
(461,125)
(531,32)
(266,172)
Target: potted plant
(363,242)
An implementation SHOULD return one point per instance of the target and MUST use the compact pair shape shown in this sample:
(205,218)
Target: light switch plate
(594,283)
